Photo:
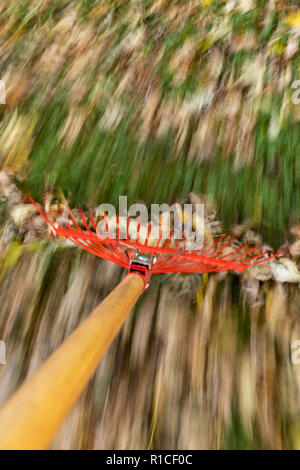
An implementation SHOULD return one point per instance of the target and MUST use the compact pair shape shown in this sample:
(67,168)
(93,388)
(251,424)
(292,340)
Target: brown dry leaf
(65,24)
(243,42)
(232,104)
(291,48)
(157,6)
(276,305)
(112,116)
(73,125)
(262,271)
(181,124)
(9,190)
(247,383)
(295,248)
(245,145)
(251,289)
(17,86)
(204,139)
(214,67)
(239,230)
(165,115)
(252,75)
(245,5)
(149,112)
(33,228)
(181,60)
(52,58)
(295,231)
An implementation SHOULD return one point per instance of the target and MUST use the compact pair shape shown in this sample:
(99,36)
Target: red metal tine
(168,258)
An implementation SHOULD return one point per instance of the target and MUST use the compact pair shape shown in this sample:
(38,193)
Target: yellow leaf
(200,291)
(293,20)
(14,252)
(278,48)
(21,137)
(98,10)
(33,246)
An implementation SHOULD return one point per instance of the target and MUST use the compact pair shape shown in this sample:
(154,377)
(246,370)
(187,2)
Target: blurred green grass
(100,166)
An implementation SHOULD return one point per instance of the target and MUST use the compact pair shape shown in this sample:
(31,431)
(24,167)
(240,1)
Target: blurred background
(161,101)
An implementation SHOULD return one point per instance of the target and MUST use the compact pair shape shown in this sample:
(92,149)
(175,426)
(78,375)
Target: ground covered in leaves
(156,100)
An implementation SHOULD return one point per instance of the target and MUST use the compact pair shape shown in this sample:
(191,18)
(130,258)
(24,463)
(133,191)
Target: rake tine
(214,244)
(84,221)
(138,231)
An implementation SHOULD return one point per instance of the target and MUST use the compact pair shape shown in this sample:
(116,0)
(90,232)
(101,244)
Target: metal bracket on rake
(141,265)
(144,256)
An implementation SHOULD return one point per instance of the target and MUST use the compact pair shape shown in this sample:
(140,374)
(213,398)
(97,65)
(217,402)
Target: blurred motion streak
(182,101)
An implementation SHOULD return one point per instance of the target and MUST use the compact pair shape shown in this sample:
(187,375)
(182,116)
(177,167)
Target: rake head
(145,256)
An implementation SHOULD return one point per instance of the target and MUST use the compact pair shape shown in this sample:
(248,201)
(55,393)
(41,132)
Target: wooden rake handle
(32,416)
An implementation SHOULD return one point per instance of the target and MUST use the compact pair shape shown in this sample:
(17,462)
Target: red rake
(146,258)
(31,417)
